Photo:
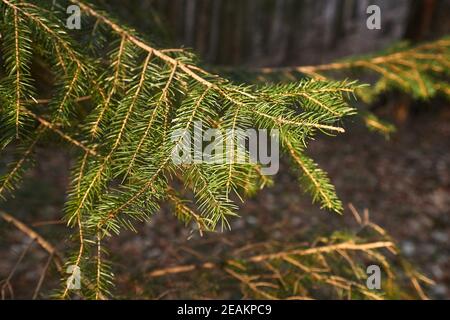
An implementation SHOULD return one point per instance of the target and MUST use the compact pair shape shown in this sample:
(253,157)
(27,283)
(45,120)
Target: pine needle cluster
(422,71)
(117,100)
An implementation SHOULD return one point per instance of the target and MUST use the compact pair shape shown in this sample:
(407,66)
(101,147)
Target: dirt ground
(404,182)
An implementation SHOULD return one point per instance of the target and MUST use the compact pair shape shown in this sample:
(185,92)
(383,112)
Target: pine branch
(416,70)
(17,51)
(315,180)
(130,105)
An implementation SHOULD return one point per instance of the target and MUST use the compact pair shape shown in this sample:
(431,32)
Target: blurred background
(282,32)
(403,182)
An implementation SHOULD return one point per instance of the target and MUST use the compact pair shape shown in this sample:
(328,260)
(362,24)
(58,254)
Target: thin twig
(36,237)
(42,277)
(56,256)
(7,281)
(348,246)
(66,137)
(47,101)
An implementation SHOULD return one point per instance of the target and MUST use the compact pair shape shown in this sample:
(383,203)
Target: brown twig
(181,269)
(42,277)
(313,70)
(47,223)
(47,101)
(7,281)
(160,54)
(347,246)
(56,256)
(35,237)
(66,137)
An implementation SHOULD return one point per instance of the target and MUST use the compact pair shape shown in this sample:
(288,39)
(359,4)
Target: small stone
(408,248)
(440,236)
(437,272)
(252,220)
(440,290)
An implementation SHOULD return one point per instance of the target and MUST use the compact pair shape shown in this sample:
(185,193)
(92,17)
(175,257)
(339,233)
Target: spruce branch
(122,103)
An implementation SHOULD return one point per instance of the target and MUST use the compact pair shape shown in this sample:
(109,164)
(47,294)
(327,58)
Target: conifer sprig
(422,71)
(121,105)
